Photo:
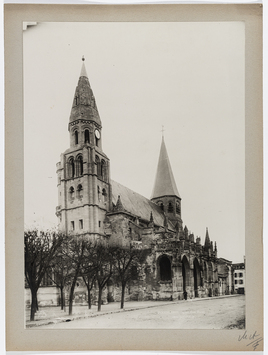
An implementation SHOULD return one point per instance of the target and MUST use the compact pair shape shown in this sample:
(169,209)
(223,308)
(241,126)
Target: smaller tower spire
(119,206)
(207,239)
(151,223)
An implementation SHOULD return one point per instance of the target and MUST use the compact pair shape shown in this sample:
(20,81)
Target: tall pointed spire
(207,239)
(84,105)
(165,184)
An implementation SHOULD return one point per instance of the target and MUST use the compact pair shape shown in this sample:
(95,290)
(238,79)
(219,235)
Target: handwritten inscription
(254,339)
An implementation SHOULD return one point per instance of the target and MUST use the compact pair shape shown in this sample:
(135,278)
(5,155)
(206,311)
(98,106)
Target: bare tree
(61,270)
(126,260)
(89,269)
(76,252)
(39,249)
(103,262)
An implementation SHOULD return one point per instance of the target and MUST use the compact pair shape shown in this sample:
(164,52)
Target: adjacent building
(239,272)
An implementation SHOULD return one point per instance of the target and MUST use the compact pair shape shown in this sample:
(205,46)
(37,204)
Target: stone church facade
(93,205)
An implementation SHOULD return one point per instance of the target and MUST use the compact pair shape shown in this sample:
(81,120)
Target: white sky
(188,77)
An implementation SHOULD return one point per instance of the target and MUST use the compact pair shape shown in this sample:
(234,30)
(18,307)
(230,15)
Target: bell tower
(84,189)
(165,192)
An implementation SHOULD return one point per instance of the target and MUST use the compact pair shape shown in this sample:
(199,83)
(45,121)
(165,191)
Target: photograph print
(134,175)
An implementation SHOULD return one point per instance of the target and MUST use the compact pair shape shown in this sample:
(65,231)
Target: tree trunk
(61,298)
(123,295)
(71,297)
(99,298)
(36,303)
(33,304)
(89,298)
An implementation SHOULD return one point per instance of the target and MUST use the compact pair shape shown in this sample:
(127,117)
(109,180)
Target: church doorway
(165,268)
(197,277)
(185,273)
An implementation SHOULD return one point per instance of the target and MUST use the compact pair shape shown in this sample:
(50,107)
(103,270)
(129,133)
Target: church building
(93,205)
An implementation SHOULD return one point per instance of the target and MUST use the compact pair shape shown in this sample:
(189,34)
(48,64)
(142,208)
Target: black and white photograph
(139,180)
(134,175)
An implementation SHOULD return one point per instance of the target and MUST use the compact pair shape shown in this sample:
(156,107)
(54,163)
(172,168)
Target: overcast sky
(188,77)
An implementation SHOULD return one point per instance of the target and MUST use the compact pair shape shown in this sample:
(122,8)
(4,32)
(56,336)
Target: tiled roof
(138,205)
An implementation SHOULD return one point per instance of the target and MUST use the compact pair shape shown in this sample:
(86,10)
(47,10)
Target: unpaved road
(203,314)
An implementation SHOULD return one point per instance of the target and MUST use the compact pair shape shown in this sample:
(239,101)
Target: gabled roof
(138,205)
(84,104)
(165,184)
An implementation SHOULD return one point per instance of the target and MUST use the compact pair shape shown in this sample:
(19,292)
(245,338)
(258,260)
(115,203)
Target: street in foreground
(203,314)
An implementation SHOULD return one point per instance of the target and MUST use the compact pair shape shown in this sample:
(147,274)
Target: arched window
(97,160)
(87,140)
(79,191)
(165,268)
(98,189)
(161,205)
(80,165)
(71,193)
(170,207)
(71,169)
(102,168)
(178,208)
(104,194)
(76,137)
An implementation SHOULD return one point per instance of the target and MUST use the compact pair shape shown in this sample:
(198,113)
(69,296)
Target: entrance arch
(197,277)
(185,273)
(165,268)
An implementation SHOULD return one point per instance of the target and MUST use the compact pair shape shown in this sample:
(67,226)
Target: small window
(72,225)
(80,165)
(235,275)
(235,281)
(102,168)
(79,191)
(104,194)
(178,208)
(87,136)
(99,223)
(161,205)
(240,281)
(240,274)
(81,224)
(170,207)
(97,160)
(76,137)
(71,167)
(71,193)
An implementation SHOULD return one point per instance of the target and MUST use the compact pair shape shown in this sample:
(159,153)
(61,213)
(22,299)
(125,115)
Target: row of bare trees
(65,259)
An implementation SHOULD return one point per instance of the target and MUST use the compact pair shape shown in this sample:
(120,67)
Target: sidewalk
(53,315)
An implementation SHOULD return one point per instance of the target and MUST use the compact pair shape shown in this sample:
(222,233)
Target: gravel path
(228,313)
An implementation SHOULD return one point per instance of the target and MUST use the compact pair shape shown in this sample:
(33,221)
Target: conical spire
(84,104)
(165,184)
(119,206)
(207,239)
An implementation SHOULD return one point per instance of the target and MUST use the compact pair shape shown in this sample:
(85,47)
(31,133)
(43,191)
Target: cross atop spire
(162,130)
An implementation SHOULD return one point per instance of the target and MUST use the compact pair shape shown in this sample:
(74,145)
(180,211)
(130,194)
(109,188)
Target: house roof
(165,184)
(138,205)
